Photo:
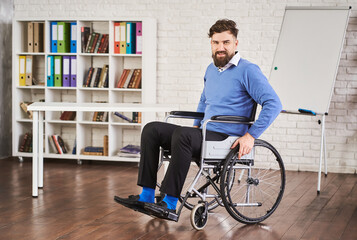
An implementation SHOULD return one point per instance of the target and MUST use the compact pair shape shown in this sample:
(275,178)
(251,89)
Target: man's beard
(221,62)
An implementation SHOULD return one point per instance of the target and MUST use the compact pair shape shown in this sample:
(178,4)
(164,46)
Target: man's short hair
(223,25)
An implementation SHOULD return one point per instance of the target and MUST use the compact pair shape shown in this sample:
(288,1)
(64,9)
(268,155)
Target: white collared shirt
(234,61)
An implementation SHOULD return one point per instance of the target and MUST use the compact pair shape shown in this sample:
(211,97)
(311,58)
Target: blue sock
(147,195)
(170,201)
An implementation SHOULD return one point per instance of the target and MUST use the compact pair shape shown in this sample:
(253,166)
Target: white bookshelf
(82,130)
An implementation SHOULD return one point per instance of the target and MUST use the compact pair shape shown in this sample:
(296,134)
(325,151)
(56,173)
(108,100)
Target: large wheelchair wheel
(252,189)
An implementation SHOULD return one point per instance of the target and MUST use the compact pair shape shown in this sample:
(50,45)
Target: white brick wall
(184,53)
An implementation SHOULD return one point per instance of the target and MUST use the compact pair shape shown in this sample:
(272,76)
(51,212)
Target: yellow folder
(22,70)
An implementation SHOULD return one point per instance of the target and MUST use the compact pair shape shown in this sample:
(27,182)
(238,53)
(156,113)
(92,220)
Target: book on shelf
(129,151)
(103,76)
(88,76)
(121,79)
(95,77)
(24,106)
(74,150)
(122,116)
(26,143)
(85,32)
(58,144)
(136,117)
(68,115)
(105,145)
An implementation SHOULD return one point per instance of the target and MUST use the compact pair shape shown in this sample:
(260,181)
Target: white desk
(38,109)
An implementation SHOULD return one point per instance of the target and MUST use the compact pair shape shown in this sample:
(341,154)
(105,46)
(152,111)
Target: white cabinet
(82,129)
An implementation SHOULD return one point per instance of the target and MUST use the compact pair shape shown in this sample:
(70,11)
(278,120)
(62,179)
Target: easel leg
(322,149)
(325,155)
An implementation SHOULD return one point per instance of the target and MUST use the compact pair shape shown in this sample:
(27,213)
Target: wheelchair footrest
(160,212)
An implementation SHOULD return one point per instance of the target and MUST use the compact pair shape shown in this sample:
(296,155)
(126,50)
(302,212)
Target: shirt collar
(234,61)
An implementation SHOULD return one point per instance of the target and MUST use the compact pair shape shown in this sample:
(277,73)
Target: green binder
(63,37)
(58,71)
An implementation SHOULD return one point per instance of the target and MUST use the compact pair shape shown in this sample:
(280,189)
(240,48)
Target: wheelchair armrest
(187,114)
(235,119)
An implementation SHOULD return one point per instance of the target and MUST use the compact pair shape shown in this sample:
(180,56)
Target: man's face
(223,46)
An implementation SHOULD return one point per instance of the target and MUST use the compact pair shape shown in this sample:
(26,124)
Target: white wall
(184,53)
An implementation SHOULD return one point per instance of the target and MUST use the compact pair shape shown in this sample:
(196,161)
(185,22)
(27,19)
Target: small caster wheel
(79,162)
(199,216)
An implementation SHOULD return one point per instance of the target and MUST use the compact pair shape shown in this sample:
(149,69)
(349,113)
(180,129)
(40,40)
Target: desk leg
(322,146)
(325,155)
(40,150)
(35,154)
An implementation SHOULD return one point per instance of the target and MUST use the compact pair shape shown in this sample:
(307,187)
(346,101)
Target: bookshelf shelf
(31,53)
(31,87)
(60,122)
(82,131)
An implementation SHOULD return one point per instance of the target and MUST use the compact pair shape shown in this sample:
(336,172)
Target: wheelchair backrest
(254,111)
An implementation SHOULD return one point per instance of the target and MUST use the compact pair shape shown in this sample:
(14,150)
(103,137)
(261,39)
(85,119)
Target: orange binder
(116,37)
(30,37)
(123,38)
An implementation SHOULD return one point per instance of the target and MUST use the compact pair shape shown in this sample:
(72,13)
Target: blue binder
(50,71)
(73,37)
(53,31)
(130,38)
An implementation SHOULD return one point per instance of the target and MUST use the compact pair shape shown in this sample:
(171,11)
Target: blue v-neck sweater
(233,92)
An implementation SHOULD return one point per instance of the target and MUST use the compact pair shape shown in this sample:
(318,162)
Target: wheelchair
(249,188)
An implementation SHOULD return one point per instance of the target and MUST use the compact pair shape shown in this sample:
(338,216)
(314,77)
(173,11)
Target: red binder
(116,37)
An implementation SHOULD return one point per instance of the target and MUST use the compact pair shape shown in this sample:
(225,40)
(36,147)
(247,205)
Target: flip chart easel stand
(322,152)
(322,144)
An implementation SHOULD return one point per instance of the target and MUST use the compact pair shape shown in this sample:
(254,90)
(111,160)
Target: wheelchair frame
(221,164)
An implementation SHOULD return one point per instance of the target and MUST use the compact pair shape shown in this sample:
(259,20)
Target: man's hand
(246,144)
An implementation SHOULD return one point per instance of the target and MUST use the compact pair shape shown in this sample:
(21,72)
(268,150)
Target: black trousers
(183,143)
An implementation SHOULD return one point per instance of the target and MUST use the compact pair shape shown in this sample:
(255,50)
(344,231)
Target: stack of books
(97,77)
(100,117)
(94,42)
(97,151)
(26,143)
(129,151)
(136,117)
(130,78)
(57,144)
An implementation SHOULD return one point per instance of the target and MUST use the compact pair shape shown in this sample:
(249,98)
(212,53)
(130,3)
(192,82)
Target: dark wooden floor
(77,203)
